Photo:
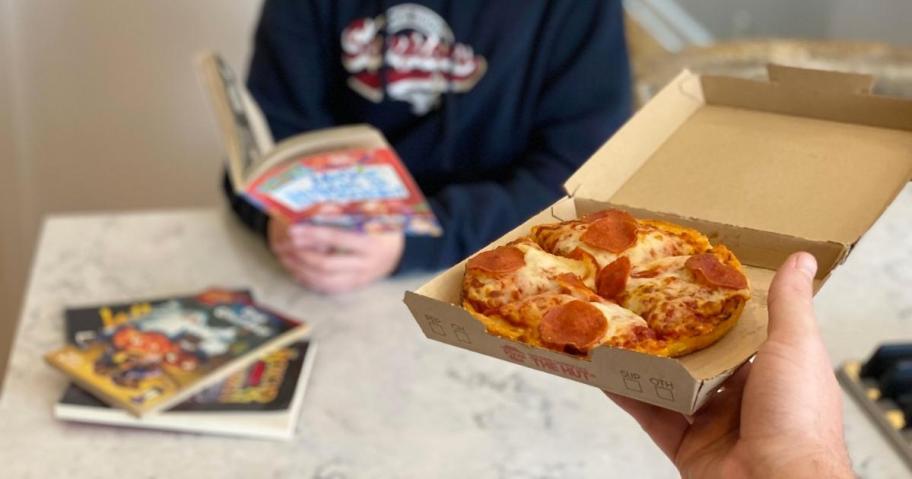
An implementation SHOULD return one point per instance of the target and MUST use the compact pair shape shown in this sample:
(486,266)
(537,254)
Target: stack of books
(214,362)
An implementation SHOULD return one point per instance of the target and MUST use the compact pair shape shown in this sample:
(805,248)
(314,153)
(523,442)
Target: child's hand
(332,260)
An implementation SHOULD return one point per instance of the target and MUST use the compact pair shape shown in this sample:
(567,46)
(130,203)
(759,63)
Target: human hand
(778,417)
(332,260)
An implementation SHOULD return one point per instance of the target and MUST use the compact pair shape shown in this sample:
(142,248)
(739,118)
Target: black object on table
(886,356)
(882,386)
(896,381)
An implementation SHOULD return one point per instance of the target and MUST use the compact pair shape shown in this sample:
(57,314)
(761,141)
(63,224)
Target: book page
(244,129)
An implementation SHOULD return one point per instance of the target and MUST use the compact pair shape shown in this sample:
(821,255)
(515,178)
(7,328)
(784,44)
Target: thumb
(790,302)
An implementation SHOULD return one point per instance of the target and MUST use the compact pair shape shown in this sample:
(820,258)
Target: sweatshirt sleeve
(585,96)
(290,87)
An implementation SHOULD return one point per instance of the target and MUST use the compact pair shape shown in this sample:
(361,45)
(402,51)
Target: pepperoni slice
(614,231)
(503,259)
(612,279)
(646,273)
(622,215)
(711,272)
(577,325)
(570,280)
(580,254)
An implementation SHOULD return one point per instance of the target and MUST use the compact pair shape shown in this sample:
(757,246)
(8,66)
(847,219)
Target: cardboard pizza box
(805,161)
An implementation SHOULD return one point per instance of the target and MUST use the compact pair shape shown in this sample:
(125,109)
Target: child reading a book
(490,105)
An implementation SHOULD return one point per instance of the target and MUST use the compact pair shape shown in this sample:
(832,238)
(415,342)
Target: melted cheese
(652,245)
(674,280)
(542,267)
(653,242)
(621,321)
(538,275)
(670,299)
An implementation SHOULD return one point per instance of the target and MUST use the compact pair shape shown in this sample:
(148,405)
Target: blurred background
(100,109)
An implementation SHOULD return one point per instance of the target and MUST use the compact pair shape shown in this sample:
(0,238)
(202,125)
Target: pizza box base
(807,161)
(679,384)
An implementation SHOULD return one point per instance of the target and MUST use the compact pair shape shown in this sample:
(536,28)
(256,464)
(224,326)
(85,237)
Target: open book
(263,400)
(165,354)
(346,176)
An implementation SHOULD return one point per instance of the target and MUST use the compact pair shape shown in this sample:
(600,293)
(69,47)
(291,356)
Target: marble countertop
(383,402)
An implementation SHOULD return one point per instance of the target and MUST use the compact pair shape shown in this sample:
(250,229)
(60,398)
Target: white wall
(10,237)
(100,109)
(885,20)
(877,20)
(111,104)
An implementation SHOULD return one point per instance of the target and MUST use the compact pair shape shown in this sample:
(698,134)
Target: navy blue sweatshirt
(490,104)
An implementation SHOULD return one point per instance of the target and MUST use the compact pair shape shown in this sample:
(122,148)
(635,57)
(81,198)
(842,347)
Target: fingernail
(807,264)
(298,230)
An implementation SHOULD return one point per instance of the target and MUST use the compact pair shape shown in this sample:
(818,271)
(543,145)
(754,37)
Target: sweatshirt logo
(419,61)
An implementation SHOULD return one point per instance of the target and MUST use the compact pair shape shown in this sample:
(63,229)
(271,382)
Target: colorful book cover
(359,189)
(266,385)
(167,353)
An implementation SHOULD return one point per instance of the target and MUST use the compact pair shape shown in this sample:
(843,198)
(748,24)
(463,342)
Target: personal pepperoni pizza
(608,279)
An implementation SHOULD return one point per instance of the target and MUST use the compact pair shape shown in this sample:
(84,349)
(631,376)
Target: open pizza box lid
(806,161)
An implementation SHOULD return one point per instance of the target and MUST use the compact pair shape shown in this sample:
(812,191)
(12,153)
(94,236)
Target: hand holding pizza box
(806,161)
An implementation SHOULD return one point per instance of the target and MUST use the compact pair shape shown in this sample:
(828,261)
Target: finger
(322,262)
(283,245)
(289,248)
(296,246)
(290,263)
(665,427)
(722,411)
(330,238)
(715,423)
(331,283)
(790,302)
(329,263)
(277,229)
